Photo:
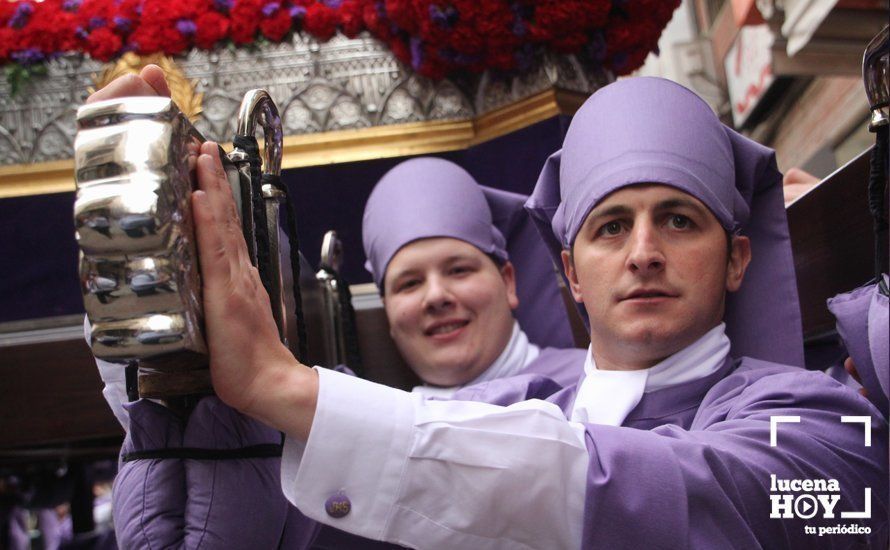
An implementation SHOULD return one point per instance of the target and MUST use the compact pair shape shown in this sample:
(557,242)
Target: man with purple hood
(455,262)
(678,435)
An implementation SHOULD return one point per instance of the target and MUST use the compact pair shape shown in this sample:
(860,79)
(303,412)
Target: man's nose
(437,295)
(646,254)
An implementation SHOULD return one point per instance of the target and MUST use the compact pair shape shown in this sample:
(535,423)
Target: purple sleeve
(232,503)
(176,502)
(149,495)
(862,324)
(709,486)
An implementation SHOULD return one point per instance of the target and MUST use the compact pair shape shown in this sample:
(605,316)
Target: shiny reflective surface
(257,107)
(135,164)
(334,337)
(876,77)
(134,168)
(272,199)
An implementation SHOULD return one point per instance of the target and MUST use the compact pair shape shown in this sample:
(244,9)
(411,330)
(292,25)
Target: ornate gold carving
(395,140)
(182,89)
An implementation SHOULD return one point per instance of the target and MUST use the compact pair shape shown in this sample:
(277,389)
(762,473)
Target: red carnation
(402,14)
(158,38)
(212,27)
(244,20)
(619,36)
(569,43)
(7,43)
(103,44)
(320,21)
(276,26)
(351,18)
(400,50)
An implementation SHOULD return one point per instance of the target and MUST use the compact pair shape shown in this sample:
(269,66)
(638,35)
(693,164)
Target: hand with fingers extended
(251,369)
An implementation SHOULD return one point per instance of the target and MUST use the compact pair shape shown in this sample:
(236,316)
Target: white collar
(516,355)
(608,396)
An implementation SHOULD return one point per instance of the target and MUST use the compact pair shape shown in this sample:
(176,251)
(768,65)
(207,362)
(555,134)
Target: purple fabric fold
(862,323)
(202,503)
(691,465)
(149,496)
(234,503)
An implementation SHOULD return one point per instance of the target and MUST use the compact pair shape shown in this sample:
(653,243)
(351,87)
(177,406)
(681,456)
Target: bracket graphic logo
(815,498)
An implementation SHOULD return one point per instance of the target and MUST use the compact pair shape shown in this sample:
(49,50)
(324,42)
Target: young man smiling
(441,249)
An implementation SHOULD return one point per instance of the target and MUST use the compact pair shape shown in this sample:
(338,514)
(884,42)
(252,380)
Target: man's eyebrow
(403,273)
(671,204)
(617,210)
(412,271)
(457,258)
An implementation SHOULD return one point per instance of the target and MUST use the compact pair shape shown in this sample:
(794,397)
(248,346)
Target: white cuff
(114,376)
(358,446)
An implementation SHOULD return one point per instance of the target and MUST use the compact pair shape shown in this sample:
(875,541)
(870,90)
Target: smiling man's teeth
(446,328)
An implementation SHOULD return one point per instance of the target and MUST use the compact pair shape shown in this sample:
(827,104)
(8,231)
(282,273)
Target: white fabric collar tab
(516,355)
(607,397)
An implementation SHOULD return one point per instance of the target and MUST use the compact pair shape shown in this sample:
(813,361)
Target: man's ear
(508,273)
(739,258)
(568,267)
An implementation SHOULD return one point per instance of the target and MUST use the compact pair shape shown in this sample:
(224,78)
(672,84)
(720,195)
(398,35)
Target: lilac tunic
(691,465)
(195,503)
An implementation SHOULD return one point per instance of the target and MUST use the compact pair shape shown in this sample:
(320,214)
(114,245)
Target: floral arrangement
(436,37)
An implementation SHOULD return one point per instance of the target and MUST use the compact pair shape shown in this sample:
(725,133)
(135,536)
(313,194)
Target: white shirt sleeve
(439,474)
(115,379)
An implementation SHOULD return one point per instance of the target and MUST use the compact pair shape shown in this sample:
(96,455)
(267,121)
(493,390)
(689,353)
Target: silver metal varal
(876,74)
(333,330)
(135,162)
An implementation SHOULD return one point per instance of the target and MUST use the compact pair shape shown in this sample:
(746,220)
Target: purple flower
(270,8)
(186,27)
(81,33)
(524,57)
(457,58)
(71,5)
(97,22)
(445,18)
(122,24)
(223,5)
(28,56)
(522,11)
(416,53)
(297,12)
(332,3)
(619,61)
(596,47)
(21,16)
(519,28)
